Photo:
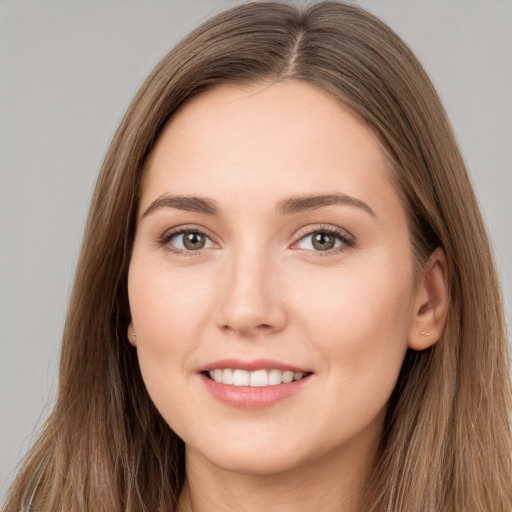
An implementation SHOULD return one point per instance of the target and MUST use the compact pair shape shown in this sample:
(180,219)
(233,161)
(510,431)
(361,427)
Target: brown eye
(186,241)
(323,241)
(192,240)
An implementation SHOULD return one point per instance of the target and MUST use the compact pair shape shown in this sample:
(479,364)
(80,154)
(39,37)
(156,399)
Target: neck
(328,484)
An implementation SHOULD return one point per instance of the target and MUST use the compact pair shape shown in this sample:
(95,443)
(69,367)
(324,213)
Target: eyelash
(164,241)
(347,241)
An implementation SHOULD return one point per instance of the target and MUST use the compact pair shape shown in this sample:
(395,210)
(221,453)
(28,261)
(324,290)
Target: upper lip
(254,364)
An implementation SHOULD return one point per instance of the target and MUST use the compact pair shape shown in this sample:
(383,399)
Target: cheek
(165,306)
(168,315)
(358,321)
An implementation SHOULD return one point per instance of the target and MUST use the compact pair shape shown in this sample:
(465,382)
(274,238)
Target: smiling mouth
(256,378)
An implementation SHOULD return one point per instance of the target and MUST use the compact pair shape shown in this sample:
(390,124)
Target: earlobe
(132,338)
(431,304)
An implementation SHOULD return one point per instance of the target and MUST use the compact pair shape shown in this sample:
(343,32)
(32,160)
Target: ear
(431,303)
(132,338)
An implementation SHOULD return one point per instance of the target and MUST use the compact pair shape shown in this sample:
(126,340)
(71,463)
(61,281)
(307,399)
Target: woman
(275,302)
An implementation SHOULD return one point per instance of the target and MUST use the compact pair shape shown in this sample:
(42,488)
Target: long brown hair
(446,442)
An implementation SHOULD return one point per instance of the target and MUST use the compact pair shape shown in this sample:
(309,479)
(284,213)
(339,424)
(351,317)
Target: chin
(251,459)
(259,465)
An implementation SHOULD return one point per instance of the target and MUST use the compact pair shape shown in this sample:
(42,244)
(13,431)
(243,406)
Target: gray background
(68,70)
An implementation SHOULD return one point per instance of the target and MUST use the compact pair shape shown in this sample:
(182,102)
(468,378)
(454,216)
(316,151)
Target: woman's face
(270,246)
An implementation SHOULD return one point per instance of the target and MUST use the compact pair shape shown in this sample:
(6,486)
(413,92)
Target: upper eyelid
(309,230)
(178,230)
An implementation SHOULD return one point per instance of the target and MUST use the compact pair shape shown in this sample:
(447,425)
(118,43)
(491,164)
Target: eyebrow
(312,202)
(191,204)
(288,206)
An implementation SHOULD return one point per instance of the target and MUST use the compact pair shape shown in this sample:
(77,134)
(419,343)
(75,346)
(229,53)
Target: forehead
(288,138)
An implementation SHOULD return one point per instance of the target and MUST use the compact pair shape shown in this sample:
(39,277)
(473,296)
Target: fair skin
(263,279)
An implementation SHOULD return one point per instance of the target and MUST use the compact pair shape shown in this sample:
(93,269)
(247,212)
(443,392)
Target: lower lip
(247,397)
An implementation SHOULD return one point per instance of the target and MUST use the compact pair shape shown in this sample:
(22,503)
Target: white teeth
(257,378)
(287,377)
(240,378)
(227,376)
(275,377)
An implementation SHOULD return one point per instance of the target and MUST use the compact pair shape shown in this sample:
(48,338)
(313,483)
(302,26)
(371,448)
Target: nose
(251,301)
